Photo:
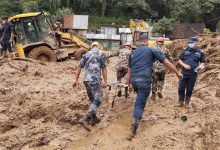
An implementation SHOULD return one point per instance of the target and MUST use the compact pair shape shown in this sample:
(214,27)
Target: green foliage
(134,9)
(206,31)
(29,5)
(185,11)
(10,7)
(163,26)
(188,11)
(95,22)
(62,12)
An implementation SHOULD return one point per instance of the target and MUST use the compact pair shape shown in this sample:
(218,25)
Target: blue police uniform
(192,57)
(6,36)
(141,62)
(93,62)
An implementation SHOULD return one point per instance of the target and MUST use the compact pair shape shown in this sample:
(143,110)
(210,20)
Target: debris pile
(39,107)
(37,103)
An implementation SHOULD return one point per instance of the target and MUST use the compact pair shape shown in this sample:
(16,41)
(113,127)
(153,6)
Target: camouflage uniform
(93,61)
(159,71)
(122,65)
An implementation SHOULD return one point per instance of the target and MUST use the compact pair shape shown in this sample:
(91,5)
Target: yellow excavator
(138,26)
(34,31)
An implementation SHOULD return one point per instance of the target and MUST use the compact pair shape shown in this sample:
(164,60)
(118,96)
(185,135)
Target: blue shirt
(7,29)
(141,62)
(93,61)
(192,57)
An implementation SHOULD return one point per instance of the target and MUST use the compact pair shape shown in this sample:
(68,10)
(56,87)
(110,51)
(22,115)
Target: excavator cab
(35,32)
(33,28)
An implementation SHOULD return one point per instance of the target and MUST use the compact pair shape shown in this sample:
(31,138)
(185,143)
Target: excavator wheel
(43,53)
(79,53)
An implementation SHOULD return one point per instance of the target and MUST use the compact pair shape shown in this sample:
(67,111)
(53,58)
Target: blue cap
(193,39)
(143,36)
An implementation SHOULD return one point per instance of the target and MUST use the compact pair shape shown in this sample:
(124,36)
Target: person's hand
(75,84)
(179,75)
(187,67)
(104,84)
(130,89)
(10,41)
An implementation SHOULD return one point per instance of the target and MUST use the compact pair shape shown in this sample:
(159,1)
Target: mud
(39,107)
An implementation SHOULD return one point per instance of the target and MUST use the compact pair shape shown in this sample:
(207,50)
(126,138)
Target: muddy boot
(134,127)
(187,104)
(160,95)
(181,104)
(153,97)
(94,119)
(85,119)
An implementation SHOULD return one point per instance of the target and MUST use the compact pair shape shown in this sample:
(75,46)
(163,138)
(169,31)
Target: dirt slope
(38,108)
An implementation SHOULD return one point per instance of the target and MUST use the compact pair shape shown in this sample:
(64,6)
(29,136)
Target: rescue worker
(7,37)
(94,62)
(139,76)
(191,59)
(159,70)
(58,33)
(122,64)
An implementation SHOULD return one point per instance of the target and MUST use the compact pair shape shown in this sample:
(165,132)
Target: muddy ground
(38,108)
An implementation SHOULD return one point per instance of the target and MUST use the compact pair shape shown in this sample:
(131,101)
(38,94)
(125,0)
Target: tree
(163,26)
(10,7)
(103,8)
(29,5)
(54,5)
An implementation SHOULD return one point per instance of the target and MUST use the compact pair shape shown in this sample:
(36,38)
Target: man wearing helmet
(159,70)
(122,65)
(94,62)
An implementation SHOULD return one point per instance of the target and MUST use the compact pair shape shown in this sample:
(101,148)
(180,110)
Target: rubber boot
(181,102)
(134,126)
(85,119)
(94,119)
(187,103)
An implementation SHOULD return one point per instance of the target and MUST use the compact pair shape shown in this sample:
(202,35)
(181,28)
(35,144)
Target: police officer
(122,64)
(191,59)
(7,36)
(94,63)
(140,73)
(159,70)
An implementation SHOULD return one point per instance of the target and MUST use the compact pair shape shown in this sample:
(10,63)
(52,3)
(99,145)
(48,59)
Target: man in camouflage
(94,63)
(122,65)
(159,70)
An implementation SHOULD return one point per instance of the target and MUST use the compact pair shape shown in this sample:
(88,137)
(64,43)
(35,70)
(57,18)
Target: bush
(163,26)
(206,31)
